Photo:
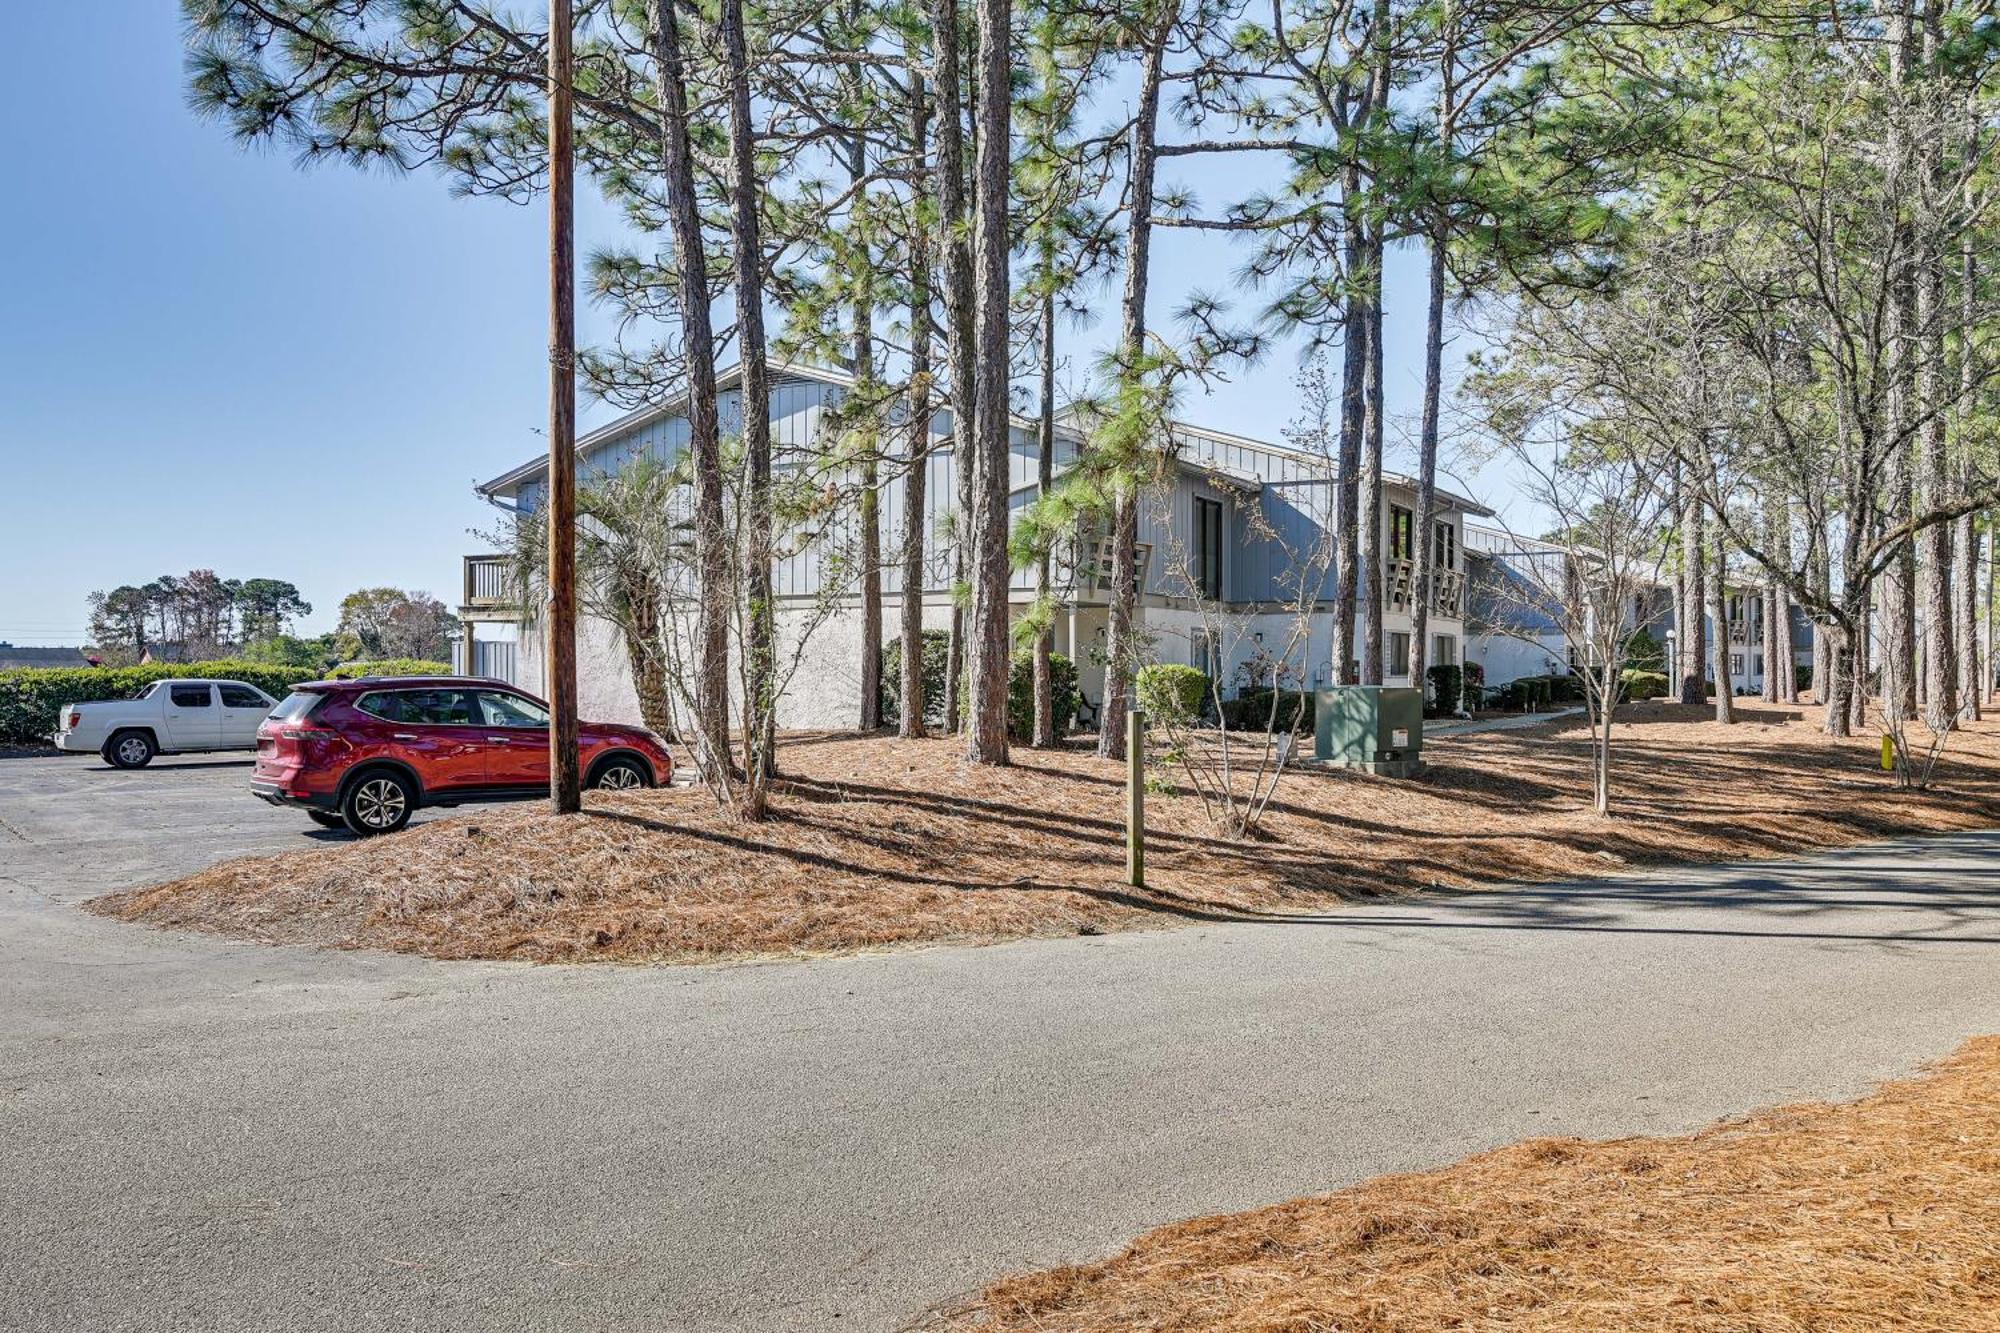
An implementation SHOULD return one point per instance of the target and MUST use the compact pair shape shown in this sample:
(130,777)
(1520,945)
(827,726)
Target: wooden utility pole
(1135,798)
(565,782)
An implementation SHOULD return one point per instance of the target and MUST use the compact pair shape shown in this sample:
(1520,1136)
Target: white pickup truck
(168,717)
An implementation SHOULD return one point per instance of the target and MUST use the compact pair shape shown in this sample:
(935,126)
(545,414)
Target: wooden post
(1135,796)
(565,782)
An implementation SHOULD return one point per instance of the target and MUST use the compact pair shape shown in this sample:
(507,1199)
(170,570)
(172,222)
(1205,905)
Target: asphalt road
(211,1136)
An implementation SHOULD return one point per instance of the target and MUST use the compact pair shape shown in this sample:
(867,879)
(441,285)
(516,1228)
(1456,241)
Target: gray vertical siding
(1291,493)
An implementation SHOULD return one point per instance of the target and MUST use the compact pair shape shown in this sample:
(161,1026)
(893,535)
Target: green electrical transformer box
(1379,728)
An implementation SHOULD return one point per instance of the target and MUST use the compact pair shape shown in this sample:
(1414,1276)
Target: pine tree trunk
(916,479)
(1371,478)
(987,657)
(1427,456)
(1121,647)
(959,335)
(1045,462)
(1771,646)
(1347,463)
(1836,687)
(760,619)
(1692,641)
(1718,613)
(712,556)
(869,518)
(1860,662)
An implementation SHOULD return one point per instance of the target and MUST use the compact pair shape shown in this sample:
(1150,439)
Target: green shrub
(1021,693)
(937,655)
(1645,653)
(1250,711)
(1639,684)
(1447,688)
(30,697)
(1524,693)
(1803,676)
(388,666)
(1172,694)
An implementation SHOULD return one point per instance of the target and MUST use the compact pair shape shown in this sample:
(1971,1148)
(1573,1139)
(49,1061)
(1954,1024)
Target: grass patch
(1881,1214)
(882,842)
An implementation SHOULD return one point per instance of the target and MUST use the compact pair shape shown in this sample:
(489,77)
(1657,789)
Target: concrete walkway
(1470,727)
(216,1136)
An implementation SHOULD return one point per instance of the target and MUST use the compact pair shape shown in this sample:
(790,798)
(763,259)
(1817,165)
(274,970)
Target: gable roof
(841,379)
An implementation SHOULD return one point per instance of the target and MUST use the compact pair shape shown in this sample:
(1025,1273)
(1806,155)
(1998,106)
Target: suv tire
(379,801)
(620,773)
(327,818)
(129,749)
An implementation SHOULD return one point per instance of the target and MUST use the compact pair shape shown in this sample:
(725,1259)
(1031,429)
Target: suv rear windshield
(295,706)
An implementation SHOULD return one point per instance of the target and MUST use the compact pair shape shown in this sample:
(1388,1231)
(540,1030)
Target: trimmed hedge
(1639,685)
(30,697)
(1447,689)
(1172,693)
(387,666)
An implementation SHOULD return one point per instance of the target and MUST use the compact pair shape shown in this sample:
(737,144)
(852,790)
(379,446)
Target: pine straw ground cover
(1881,1214)
(882,842)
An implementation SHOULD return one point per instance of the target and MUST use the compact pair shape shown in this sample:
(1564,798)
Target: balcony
(489,583)
(1447,589)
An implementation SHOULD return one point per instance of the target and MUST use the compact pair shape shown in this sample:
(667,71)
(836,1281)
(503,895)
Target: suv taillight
(75,719)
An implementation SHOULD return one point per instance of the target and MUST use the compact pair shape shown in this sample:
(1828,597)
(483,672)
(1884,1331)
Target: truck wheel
(129,749)
(378,802)
(327,818)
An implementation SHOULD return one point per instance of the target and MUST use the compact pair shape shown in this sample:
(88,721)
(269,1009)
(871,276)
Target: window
(429,707)
(1399,654)
(1444,547)
(1736,664)
(242,696)
(1208,547)
(1444,650)
(192,696)
(1402,533)
(296,705)
(511,710)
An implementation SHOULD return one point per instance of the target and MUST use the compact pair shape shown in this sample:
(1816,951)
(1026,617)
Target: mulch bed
(880,842)
(1882,1214)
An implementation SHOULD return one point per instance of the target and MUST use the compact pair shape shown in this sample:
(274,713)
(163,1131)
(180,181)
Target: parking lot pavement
(109,828)
(214,1135)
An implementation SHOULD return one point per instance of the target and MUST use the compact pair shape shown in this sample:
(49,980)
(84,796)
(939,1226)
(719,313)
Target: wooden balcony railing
(488,581)
(1447,589)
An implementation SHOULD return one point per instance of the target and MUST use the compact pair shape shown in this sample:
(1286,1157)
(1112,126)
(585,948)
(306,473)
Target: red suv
(364,754)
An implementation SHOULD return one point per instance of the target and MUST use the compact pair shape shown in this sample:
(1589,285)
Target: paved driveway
(217,1136)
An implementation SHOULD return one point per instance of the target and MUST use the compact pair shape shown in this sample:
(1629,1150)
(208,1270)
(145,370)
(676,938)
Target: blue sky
(214,359)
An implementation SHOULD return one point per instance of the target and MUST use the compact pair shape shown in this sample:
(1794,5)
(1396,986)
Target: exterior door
(193,720)
(517,739)
(243,711)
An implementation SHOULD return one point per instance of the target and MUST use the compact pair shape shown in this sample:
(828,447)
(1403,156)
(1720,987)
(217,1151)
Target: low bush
(1174,695)
(1021,693)
(1524,693)
(30,697)
(1640,685)
(1250,711)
